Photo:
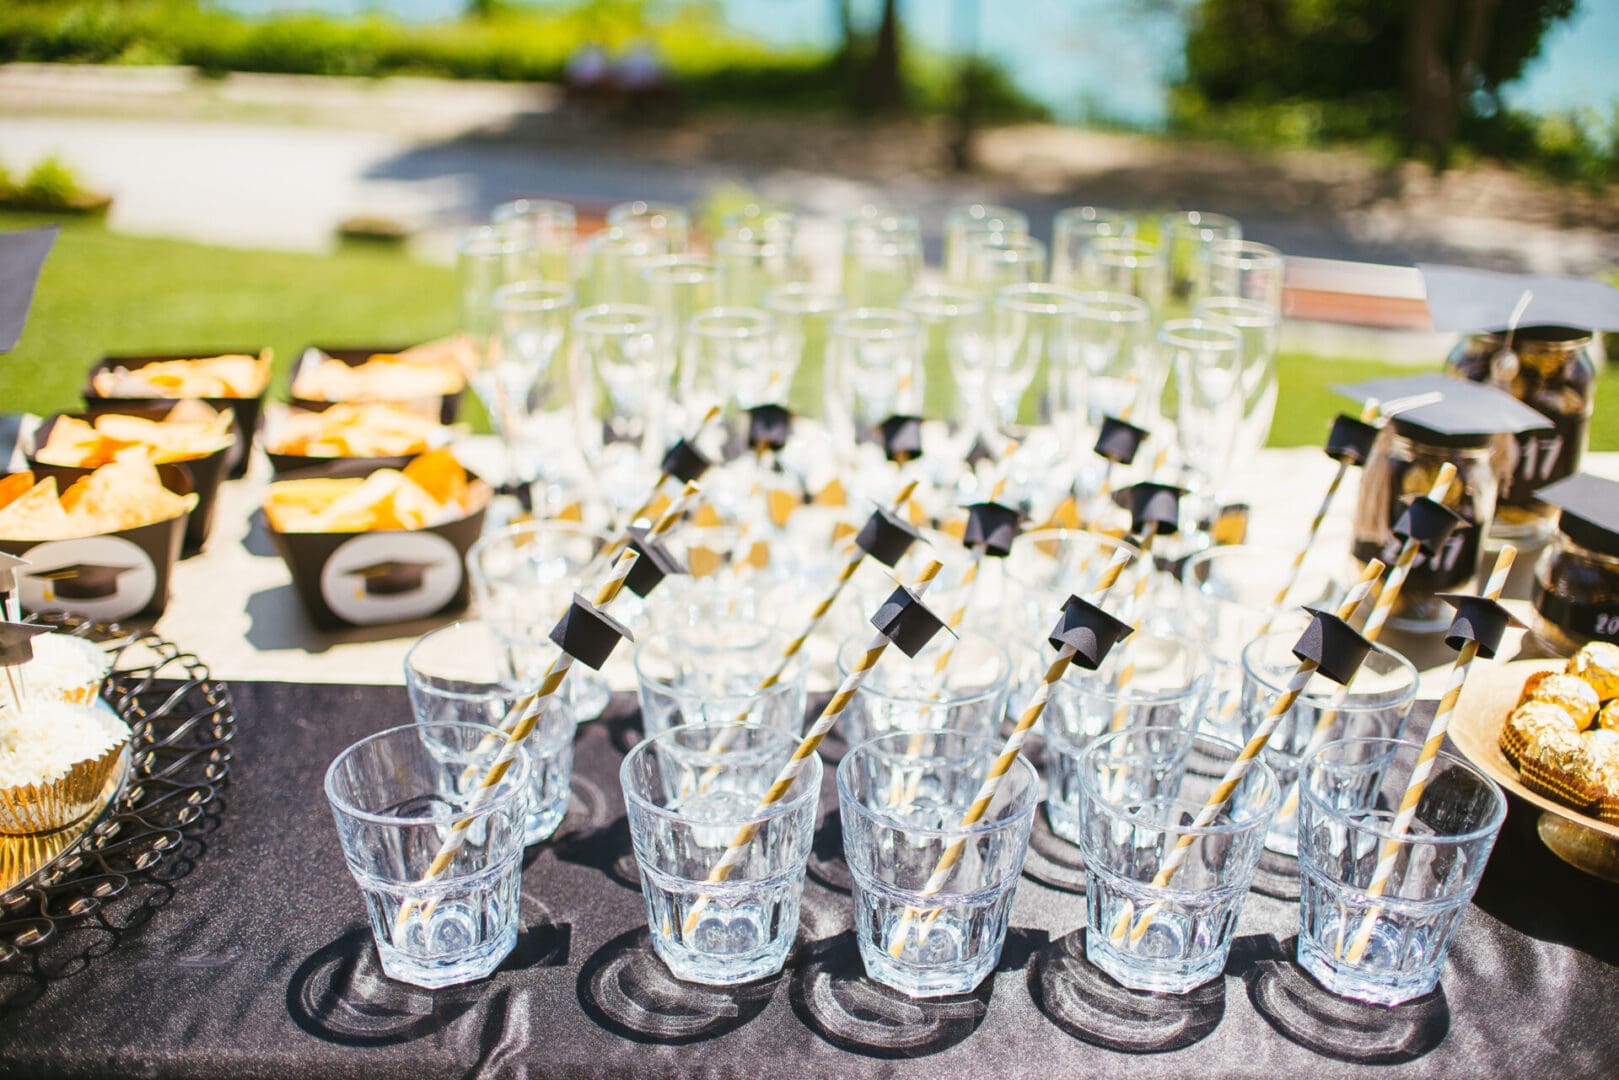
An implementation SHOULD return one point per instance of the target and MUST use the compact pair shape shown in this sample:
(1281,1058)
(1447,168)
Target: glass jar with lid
(1576,591)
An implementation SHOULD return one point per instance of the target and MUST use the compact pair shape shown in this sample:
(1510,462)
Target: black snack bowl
(449,405)
(385,575)
(286,466)
(202,475)
(246,410)
(106,577)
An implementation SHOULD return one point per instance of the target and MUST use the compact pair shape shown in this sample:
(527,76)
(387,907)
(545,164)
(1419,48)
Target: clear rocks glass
(911,694)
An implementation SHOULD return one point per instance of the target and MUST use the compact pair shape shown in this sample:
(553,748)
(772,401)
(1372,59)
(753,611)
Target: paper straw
(1240,766)
(806,749)
(1382,608)
(530,708)
(1009,753)
(657,487)
(1425,759)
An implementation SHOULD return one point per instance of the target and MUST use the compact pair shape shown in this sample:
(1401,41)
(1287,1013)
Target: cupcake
(55,761)
(66,668)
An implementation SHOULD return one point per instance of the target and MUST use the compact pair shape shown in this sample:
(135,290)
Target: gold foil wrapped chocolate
(1528,722)
(1558,765)
(1597,662)
(1571,692)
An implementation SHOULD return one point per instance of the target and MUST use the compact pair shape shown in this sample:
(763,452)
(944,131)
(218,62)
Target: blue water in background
(1084,59)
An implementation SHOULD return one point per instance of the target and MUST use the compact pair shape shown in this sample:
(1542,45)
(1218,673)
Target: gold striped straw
(806,749)
(623,538)
(1425,759)
(1382,608)
(530,708)
(1240,766)
(1105,489)
(1014,746)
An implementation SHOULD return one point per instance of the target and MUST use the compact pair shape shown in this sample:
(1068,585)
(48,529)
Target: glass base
(1064,821)
(437,972)
(719,953)
(541,825)
(1165,973)
(1379,977)
(930,967)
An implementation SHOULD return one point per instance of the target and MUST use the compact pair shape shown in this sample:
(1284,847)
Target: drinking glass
(950,940)
(617,369)
(1206,359)
(1166,688)
(552,226)
(992,261)
(394,796)
(671,224)
(686,803)
(1260,327)
(911,694)
(1074,232)
(955,356)
(1125,265)
(762,220)
(1245,269)
(679,682)
(1046,565)
(488,257)
(528,573)
(1142,791)
(1039,375)
(520,376)
(1114,330)
(874,371)
(962,223)
(613,260)
(1375,705)
(732,354)
(1350,796)
(880,265)
(752,262)
(1186,238)
(480,671)
(803,314)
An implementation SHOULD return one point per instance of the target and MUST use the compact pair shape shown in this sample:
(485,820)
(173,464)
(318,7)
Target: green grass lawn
(103,292)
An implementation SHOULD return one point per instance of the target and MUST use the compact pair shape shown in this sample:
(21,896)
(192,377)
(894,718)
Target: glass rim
(884,218)
(733,322)
(876,323)
(1126,251)
(513,210)
(762,246)
(1221,552)
(533,296)
(1249,314)
(1244,254)
(1497,816)
(803,787)
(1179,220)
(1022,298)
(1030,796)
(1090,215)
(797,668)
(1005,245)
(1200,335)
(1061,537)
(1259,820)
(496,802)
(1001,684)
(1278,685)
(681,269)
(1135,695)
(617,238)
(942,302)
(966,213)
(1115,307)
(620,318)
(508,534)
(490,241)
(632,209)
(802,298)
(462,624)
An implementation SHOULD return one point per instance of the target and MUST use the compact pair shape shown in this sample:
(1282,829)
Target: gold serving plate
(1584,842)
(25,859)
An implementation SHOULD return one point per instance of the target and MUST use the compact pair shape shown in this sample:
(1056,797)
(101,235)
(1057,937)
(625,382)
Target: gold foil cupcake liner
(1556,784)
(1513,744)
(55,804)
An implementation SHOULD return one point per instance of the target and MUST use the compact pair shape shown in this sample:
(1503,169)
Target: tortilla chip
(120,496)
(441,476)
(36,514)
(14,485)
(229,376)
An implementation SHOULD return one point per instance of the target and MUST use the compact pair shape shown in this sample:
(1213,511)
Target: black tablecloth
(251,957)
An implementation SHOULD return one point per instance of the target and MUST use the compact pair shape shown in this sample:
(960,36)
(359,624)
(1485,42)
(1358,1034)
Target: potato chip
(120,496)
(441,476)
(113,437)
(14,485)
(422,372)
(356,430)
(230,376)
(36,514)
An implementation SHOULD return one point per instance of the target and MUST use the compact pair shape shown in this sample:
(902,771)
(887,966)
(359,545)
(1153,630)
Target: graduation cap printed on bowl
(886,536)
(83,581)
(588,634)
(1428,522)
(1151,503)
(1590,510)
(1351,439)
(17,642)
(1090,630)
(902,438)
(685,462)
(1478,619)
(656,562)
(1337,648)
(906,621)
(391,577)
(1463,299)
(1459,413)
(22,254)
(1119,440)
(992,524)
(769,426)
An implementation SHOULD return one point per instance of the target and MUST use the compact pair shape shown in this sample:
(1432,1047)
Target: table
(252,958)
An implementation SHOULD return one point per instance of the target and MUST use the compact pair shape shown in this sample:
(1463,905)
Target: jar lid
(1590,508)
(1458,413)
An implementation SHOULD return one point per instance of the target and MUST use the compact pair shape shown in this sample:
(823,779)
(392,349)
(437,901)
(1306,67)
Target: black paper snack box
(203,475)
(246,409)
(108,576)
(449,405)
(384,575)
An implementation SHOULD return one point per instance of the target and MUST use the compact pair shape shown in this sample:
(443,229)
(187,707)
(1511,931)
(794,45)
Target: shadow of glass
(1053,861)
(1302,1011)
(1277,876)
(607,849)
(826,863)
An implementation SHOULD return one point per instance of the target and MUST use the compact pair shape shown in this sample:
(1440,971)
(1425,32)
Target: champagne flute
(617,370)
(1114,330)
(671,224)
(554,230)
(803,314)
(962,223)
(996,260)
(955,360)
(523,377)
(1185,238)
(1039,376)
(1074,232)
(1244,269)
(1119,265)
(1206,358)
(874,371)
(613,259)
(1260,327)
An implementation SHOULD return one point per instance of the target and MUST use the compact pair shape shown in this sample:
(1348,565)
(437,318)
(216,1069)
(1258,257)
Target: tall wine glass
(962,223)
(613,260)
(671,224)
(1114,331)
(803,314)
(676,287)
(527,382)
(753,261)
(996,260)
(1245,269)
(1206,358)
(956,361)
(552,226)
(1073,233)
(1185,238)
(487,258)
(730,356)
(1120,265)
(1039,376)
(617,370)
(1260,326)
(874,371)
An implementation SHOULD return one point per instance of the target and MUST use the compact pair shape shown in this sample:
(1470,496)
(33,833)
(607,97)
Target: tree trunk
(884,90)
(1431,102)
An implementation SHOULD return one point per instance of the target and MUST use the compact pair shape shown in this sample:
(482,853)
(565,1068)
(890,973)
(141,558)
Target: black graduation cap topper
(83,581)
(1590,510)
(1151,503)
(1428,522)
(902,438)
(1351,439)
(886,536)
(992,525)
(685,462)
(1457,412)
(1119,440)
(9,565)
(1090,630)
(17,642)
(906,621)
(1478,619)
(656,562)
(1465,299)
(21,256)
(588,634)
(1337,648)
(769,426)
(391,577)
